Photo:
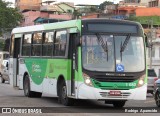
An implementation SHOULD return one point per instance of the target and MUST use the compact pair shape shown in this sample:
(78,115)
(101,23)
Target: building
(150,11)
(31,16)
(137,11)
(136,1)
(28,4)
(46,11)
(154,3)
(62,7)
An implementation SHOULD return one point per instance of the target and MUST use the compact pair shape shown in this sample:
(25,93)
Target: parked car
(152,77)
(3,55)
(4,73)
(156,92)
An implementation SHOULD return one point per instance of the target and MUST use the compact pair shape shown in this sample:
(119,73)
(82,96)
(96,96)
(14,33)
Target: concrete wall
(62,16)
(28,4)
(65,8)
(152,11)
(30,16)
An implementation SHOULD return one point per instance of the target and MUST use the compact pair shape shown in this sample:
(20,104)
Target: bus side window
(26,46)
(60,43)
(47,45)
(37,44)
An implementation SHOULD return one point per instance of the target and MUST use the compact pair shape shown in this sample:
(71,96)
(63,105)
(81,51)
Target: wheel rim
(157,99)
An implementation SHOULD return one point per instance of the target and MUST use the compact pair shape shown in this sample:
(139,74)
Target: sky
(92,2)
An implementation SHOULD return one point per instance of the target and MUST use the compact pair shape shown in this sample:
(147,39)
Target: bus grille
(114,79)
(123,95)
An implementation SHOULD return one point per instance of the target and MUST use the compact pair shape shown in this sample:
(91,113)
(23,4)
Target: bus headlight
(87,80)
(141,81)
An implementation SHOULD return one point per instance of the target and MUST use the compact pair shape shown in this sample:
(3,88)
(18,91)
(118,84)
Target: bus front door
(14,61)
(73,56)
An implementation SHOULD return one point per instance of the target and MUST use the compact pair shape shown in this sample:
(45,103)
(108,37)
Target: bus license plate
(115,93)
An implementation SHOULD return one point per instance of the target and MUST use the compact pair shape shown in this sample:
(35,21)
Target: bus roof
(49,26)
(65,24)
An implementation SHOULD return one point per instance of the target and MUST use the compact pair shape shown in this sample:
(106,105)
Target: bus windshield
(95,58)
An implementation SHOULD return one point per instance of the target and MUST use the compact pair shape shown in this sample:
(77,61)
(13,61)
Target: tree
(6,44)
(146,19)
(2,44)
(9,17)
(104,4)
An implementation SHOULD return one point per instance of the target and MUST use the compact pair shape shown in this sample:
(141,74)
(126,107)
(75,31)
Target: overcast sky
(93,2)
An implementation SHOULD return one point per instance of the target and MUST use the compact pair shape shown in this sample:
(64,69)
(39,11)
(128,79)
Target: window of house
(69,11)
(48,44)
(37,44)
(26,46)
(60,43)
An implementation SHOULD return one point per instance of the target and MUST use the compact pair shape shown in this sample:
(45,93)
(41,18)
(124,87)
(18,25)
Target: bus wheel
(119,104)
(27,91)
(63,95)
(37,94)
(2,79)
(26,87)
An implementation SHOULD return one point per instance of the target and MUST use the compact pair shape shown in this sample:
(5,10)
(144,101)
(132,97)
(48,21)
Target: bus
(96,59)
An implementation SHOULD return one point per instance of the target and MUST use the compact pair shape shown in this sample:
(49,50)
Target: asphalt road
(12,97)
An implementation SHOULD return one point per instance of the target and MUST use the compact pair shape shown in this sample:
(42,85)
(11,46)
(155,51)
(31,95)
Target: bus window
(26,46)
(60,43)
(37,44)
(47,44)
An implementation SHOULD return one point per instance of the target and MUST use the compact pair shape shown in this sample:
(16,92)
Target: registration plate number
(115,93)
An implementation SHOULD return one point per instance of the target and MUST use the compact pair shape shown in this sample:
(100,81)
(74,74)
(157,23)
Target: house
(28,4)
(58,8)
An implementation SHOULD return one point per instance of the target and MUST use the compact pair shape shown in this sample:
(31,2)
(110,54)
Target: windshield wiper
(102,43)
(124,44)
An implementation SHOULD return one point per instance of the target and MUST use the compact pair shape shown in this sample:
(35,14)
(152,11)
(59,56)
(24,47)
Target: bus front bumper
(87,92)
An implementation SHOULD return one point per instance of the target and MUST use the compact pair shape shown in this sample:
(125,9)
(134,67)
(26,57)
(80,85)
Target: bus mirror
(146,41)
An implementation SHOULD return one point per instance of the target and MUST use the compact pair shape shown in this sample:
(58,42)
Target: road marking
(151,101)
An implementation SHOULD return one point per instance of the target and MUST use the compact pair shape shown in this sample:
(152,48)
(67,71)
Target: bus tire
(37,94)
(118,104)
(63,95)
(27,90)
(26,87)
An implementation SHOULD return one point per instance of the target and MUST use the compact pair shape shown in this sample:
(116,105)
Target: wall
(62,16)
(152,11)
(30,16)
(90,16)
(28,4)
(65,7)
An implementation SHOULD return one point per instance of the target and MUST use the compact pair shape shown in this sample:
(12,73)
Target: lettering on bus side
(36,68)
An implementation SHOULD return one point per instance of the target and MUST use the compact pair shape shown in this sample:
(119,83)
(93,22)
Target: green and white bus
(99,59)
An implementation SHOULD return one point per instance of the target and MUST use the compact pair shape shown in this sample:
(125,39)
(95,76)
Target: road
(12,97)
